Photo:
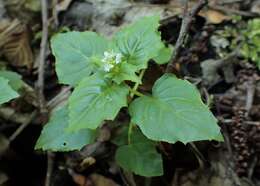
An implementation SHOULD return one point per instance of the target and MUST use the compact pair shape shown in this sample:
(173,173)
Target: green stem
(130,129)
(137,84)
(134,92)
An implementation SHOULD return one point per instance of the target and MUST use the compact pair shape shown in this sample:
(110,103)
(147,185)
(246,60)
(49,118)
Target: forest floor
(210,58)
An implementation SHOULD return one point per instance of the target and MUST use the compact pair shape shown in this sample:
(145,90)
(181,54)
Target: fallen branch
(41,66)
(186,22)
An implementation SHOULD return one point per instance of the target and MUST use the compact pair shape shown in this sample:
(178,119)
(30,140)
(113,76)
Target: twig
(230,11)
(250,96)
(55,13)
(10,114)
(202,161)
(252,167)
(231,1)
(129,177)
(50,161)
(186,22)
(122,176)
(42,104)
(44,42)
(230,121)
(23,126)
(60,98)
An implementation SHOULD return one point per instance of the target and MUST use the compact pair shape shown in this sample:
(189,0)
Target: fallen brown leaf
(87,162)
(213,16)
(92,180)
(14,43)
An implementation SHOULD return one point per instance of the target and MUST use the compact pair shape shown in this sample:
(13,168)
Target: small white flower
(111,59)
(118,58)
(107,54)
(108,67)
(104,60)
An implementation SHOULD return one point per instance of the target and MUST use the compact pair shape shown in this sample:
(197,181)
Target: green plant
(251,41)
(245,37)
(8,84)
(101,72)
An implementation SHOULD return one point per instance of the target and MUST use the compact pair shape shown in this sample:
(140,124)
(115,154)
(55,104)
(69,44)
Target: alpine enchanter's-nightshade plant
(106,75)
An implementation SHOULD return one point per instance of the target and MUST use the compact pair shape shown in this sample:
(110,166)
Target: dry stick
(50,162)
(22,127)
(230,2)
(230,11)
(250,95)
(230,121)
(26,119)
(42,104)
(43,48)
(60,98)
(201,160)
(185,25)
(55,13)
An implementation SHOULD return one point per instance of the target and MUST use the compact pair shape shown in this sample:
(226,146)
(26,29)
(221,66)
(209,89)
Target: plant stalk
(134,92)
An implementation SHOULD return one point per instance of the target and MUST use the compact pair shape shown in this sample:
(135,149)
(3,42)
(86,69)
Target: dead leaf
(87,162)
(214,17)
(14,43)
(92,180)
(81,180)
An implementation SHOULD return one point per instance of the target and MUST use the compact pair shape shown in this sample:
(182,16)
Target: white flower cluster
(110,60)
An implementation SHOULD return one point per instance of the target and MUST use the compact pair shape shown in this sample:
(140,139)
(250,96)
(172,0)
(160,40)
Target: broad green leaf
(15,80)
(95,100)
(140,41)
(6,92)
(74,52)
(174,113)
(54,137)
(140,158)
(219,137)
(164,55)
